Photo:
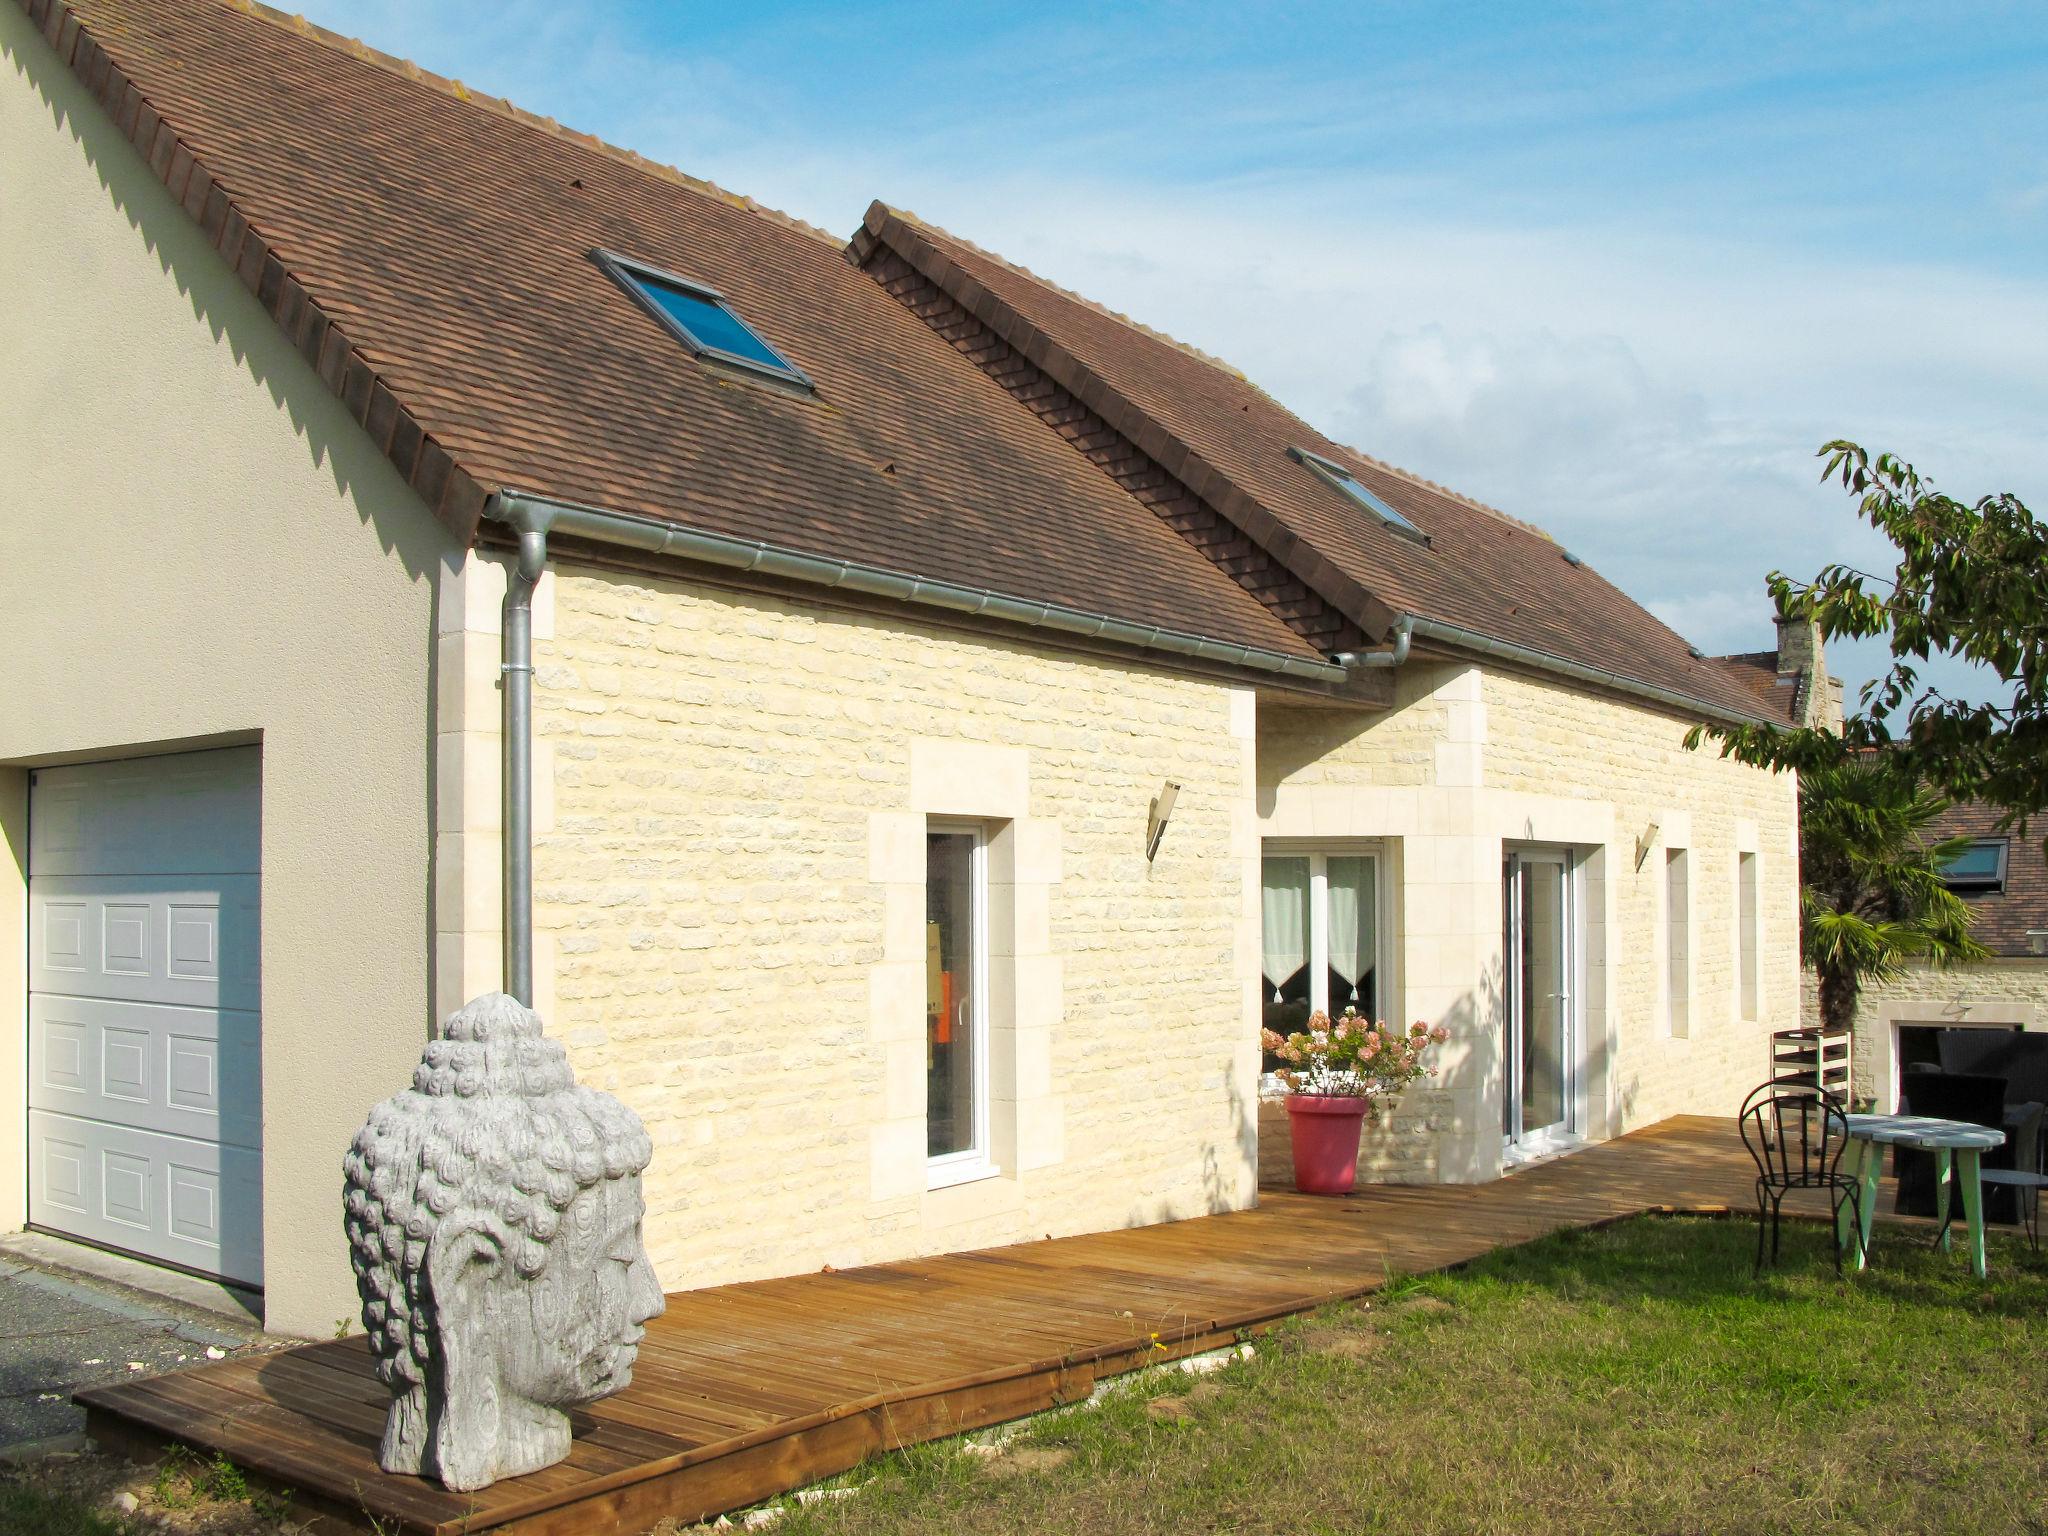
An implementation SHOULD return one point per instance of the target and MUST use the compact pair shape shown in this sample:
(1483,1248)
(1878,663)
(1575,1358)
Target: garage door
(145,1109)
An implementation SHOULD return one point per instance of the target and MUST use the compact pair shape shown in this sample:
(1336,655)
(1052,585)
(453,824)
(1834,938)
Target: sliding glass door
(1541,1043)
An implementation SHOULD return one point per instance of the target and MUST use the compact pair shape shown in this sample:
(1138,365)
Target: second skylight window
(1336,474)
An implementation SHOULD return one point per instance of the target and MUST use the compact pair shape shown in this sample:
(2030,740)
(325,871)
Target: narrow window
(956,1001)
(698,315)
(1745,922)
(1677,942)
(1321,937)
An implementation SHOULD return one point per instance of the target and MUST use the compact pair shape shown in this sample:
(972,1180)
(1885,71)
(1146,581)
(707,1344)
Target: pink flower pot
(1324,1130)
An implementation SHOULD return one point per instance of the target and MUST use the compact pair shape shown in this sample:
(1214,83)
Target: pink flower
(1440,1034)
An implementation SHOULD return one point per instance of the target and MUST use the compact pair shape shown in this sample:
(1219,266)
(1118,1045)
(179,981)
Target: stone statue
(493,1214)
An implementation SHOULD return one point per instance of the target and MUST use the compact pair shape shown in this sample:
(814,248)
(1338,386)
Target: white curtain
(1284,908)
(1351,936)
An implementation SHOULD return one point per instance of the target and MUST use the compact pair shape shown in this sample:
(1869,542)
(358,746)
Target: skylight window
(1342,478)
(1977,869)
(701,319)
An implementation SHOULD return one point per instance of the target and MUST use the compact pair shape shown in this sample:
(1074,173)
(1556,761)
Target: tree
(1971,583)
(1871,896)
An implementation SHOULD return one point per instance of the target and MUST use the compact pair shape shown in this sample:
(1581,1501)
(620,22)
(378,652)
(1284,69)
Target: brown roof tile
(1775,693)
(429,250)
(1227,441)
(2003,918)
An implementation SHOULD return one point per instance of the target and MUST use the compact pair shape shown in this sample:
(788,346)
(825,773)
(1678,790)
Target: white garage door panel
(145,1050)
(195,813)
(148,938)
(172,1197)
(183,1071)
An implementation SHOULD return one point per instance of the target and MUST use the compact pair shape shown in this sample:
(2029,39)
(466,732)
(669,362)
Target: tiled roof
(2005,917)
(1775,693)
(430,252)
(1228,441)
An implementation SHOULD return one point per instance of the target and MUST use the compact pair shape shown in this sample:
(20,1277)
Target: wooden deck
(745,1391)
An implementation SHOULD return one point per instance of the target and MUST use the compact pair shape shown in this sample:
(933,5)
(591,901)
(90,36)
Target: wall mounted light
(1645,843)
(1155,822)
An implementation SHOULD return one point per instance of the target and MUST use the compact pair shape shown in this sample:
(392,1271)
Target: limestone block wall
(730,913)
(2010,991)
(1550,740)
(1470,761)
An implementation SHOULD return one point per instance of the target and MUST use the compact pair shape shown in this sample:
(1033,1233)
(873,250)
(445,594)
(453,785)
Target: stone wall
(1470,761)
(2008,991)
(729,898)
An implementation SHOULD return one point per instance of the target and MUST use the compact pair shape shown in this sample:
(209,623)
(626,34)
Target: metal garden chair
(1796,1136)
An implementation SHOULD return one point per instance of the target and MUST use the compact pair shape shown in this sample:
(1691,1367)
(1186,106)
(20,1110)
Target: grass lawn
(1634,1379)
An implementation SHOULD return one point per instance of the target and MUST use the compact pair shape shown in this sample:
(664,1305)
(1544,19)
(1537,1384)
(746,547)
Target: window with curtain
(1320,937)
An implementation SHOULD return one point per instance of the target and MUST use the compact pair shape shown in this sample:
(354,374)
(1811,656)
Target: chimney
(1800,654)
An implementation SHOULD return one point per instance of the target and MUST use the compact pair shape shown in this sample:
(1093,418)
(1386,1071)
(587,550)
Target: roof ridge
(1212,360)
(1455,495)
(406,68)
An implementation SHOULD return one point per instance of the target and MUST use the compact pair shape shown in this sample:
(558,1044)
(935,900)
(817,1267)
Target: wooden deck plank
(744,1391)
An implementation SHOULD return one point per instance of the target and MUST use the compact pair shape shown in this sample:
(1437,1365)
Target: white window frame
(973,1162)
(1319,852)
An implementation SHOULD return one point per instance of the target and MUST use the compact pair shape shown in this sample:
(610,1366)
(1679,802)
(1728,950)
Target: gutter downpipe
(1403,632)
(517,668)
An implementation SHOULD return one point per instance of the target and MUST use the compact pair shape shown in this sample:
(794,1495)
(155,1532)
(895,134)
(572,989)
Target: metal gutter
(1543,661)
(533,518)
(659,537)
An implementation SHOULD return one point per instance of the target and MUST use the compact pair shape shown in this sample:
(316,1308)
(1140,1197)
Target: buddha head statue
(493,1215)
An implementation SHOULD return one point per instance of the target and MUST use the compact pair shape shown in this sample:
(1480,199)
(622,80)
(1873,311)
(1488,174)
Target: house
(904,726)
(1961,1018)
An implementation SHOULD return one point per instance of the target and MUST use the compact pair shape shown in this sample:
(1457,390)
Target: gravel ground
(60,1332)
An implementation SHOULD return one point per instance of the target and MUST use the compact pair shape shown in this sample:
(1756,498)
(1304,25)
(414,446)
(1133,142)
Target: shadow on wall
(221,302)
(1229,1164)
(336,447)
(1301,738)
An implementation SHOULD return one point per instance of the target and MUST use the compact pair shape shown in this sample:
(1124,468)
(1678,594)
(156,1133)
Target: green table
(1955,1144)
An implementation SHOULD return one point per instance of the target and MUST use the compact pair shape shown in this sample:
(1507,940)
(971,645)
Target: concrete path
(61,1330)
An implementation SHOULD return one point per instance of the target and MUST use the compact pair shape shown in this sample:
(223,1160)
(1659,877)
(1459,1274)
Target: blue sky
(1617,269)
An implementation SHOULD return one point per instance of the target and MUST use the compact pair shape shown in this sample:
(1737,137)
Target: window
(956,1002)
(1677,943)
(1342,478)
(1979,870)
(1745,943)
(700,317)
(1320,951)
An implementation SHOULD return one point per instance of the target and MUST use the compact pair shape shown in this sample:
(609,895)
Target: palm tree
(1873,897)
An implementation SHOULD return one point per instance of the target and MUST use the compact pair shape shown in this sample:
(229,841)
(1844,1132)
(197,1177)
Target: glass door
(1536,891)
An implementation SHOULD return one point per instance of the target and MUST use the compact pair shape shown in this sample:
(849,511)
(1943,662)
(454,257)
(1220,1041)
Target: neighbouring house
(1961,1017)
(959,715)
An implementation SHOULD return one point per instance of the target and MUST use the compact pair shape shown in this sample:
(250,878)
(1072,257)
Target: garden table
(1954,1142)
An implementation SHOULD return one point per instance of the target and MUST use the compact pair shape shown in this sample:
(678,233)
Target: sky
(1619,270)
